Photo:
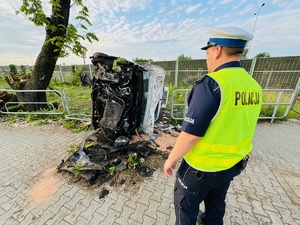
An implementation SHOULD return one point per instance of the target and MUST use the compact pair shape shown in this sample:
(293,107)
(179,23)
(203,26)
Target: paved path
(31,192)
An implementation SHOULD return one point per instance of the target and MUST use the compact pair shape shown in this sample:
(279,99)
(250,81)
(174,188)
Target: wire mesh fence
(271,72)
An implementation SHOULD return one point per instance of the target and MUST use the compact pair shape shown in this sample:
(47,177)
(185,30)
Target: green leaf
(111,170)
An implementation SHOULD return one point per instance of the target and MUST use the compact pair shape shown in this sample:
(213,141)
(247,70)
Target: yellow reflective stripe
(217,157)
(210,164)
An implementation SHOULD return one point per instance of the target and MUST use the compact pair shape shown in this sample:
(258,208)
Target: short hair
(230,51)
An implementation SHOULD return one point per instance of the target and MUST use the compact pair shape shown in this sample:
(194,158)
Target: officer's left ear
(218,51)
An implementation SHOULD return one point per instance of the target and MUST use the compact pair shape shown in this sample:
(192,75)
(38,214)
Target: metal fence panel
(270,72)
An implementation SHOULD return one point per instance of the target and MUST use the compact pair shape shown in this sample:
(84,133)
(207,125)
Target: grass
(78,97)
(3,83)
(273,97)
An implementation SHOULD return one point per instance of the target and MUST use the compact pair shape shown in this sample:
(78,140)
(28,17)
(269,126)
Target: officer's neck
(222,60)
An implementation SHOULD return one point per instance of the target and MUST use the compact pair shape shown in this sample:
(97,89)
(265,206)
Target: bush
(13,69)
(23,69)
(75,76)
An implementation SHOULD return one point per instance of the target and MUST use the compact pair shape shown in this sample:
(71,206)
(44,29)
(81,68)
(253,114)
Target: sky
(160,30)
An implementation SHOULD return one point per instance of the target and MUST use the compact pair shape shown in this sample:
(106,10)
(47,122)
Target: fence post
(252,66)
(61,74)
(296,98)
(91,74)
(176,73)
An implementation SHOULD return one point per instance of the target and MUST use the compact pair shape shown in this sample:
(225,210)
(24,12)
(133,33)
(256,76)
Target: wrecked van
(126,99)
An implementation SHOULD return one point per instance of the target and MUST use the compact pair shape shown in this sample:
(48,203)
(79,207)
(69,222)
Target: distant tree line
(141,61)
(182,57)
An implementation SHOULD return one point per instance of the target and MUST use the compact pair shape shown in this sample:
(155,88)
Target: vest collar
(228,65)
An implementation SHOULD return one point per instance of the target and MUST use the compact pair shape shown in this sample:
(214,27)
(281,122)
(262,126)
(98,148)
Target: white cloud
(203,10)
(162,10)
(223,2)
(281,3)
(107,6)
(239,4)
(247,9)
(192,8)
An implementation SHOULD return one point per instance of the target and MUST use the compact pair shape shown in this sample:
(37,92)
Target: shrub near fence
(63,72)
(272,72)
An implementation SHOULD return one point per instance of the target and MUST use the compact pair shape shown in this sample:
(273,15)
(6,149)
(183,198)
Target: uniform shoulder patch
(189,120)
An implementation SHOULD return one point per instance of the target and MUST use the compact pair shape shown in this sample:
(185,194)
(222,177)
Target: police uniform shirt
(203,101)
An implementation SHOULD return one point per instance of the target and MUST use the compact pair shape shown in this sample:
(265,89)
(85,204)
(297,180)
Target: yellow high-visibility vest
(228,138)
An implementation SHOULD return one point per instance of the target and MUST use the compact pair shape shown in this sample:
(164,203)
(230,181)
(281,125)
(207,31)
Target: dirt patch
(46,187)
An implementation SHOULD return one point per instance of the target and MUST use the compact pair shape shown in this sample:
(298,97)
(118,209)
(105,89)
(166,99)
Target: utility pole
(255,14)
(83,56)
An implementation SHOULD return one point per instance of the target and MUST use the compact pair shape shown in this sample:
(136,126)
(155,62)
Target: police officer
(217,130)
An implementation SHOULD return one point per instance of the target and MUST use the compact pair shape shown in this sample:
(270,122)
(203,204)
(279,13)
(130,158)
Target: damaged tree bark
(4,97)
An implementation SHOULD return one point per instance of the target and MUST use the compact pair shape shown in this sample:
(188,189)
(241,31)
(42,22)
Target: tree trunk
(46,60)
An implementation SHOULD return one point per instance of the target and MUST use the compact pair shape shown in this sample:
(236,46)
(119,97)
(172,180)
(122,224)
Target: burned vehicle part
(95,162)
(125,95)
(126,98)
(117,95)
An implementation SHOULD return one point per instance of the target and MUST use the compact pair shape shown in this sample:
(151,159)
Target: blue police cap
(228,37)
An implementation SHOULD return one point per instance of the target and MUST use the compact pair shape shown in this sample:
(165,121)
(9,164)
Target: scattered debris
(124,161)
(99,161)
(152,138)
(103,193)
(6,184)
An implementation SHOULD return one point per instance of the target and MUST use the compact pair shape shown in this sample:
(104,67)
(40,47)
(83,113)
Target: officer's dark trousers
(193,186)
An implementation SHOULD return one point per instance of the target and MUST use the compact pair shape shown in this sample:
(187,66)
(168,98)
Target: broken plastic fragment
(152,138)
(121,141)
